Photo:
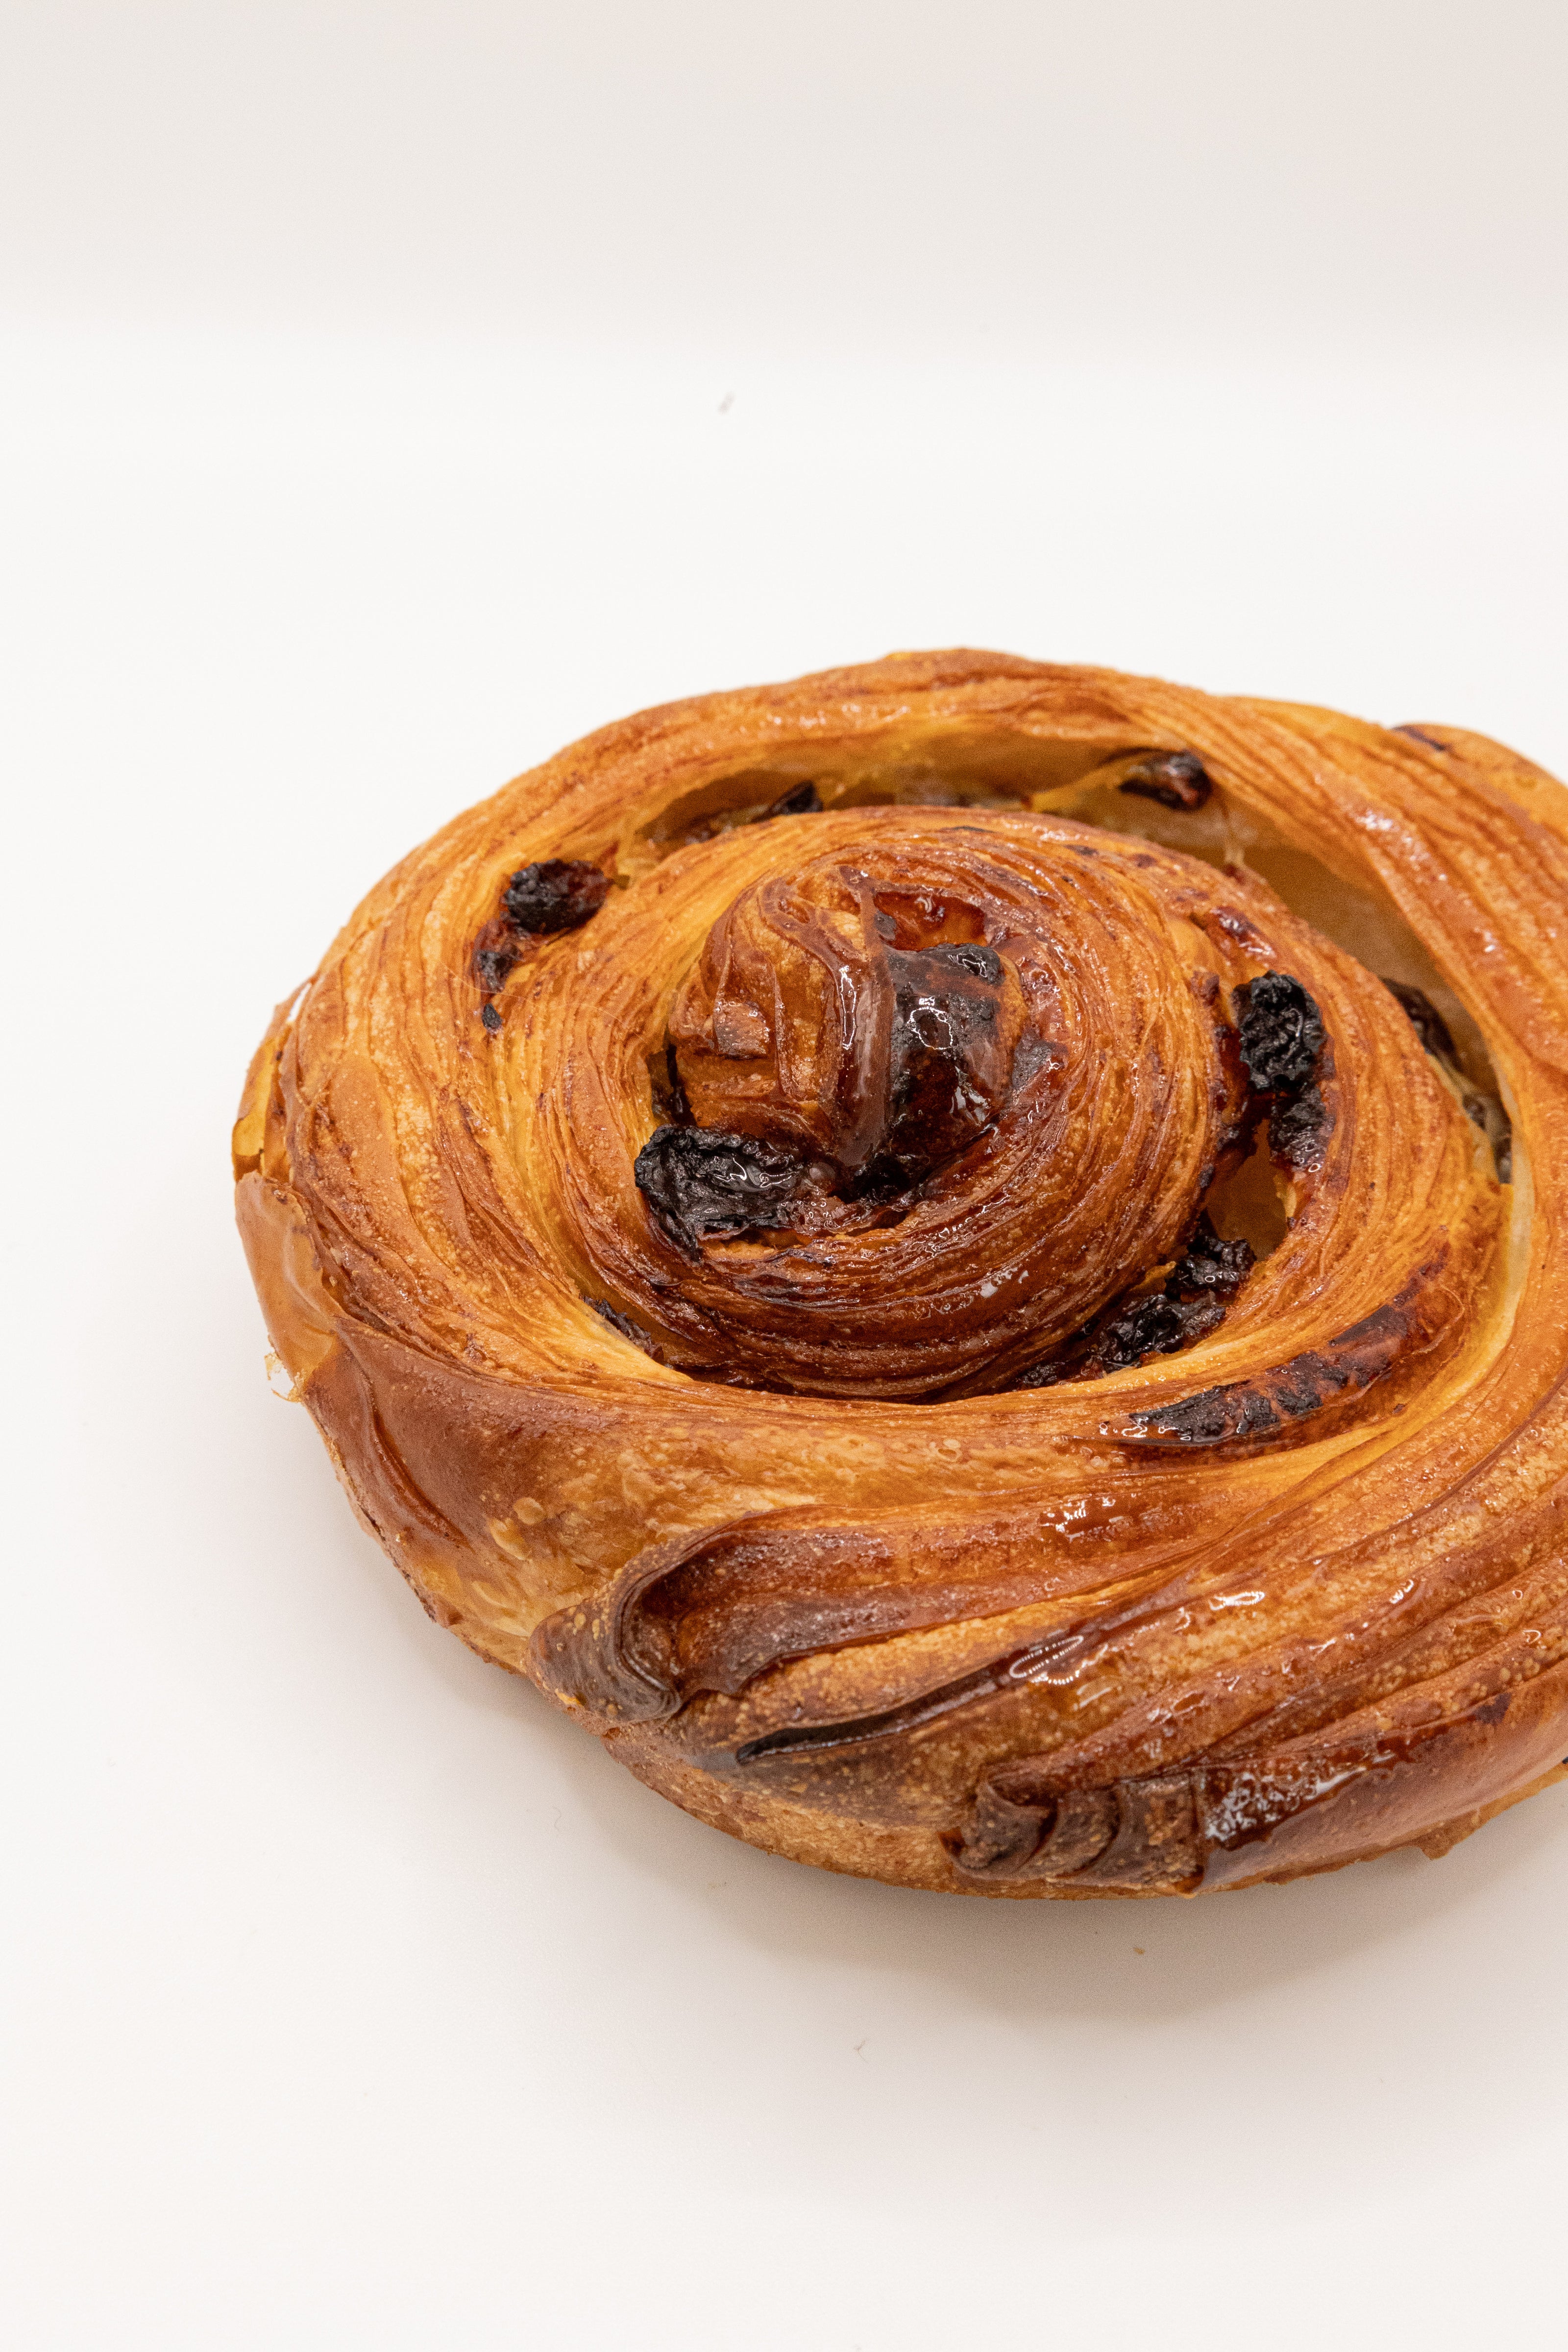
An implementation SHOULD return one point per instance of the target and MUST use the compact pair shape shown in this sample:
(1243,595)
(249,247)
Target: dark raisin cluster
(558,894)
(703,1181)
(1210,1268)
(1280,1033)
(1193,1302)
(1281,1038)
(1157,1324)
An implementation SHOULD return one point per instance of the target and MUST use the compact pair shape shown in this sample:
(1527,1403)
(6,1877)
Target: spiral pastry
(966,1260)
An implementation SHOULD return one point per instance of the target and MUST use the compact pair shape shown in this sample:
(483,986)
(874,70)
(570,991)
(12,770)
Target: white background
(391,393)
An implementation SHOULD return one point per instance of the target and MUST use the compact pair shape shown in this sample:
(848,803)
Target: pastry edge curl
(1380,1811)
(1154,1834)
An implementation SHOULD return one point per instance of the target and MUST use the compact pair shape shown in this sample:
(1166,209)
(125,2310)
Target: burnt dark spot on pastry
(557,895)
(704,1181)
(1211,1417)
(1299,1392)
(490,1017)
(1421,735)
(1292,1392)
(1436,1038)
(1177,780)
(801,800)
(1280,1031)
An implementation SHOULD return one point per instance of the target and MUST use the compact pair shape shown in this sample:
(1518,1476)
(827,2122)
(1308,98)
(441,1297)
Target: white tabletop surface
(352,1998)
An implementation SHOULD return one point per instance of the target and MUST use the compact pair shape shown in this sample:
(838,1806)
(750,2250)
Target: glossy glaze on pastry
(966,1261)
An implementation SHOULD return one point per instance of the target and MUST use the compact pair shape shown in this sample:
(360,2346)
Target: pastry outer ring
(677,1562)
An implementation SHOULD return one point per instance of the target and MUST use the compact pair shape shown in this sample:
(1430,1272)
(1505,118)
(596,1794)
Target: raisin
(947,1073)
(1209,1267)
(491,966)
(1155,1325)
(1296,1129)
(496,950)
(1428,1023)
(703,1181)
(801,800)
(559,895)
(1177,780)
(1280,1033)
(1193,1303)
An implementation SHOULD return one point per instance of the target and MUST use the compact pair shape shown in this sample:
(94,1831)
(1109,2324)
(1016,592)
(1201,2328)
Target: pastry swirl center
(872,1030)
(927,1101)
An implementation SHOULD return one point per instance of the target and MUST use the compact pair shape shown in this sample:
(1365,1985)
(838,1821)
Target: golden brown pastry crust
(768,1507)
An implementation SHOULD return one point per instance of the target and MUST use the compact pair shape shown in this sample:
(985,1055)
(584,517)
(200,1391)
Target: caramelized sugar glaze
(965,1259)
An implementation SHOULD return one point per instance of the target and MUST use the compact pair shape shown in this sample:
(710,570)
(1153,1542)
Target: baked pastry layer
(965,1259)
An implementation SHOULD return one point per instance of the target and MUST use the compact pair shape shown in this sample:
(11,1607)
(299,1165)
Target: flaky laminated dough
(965,1260)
